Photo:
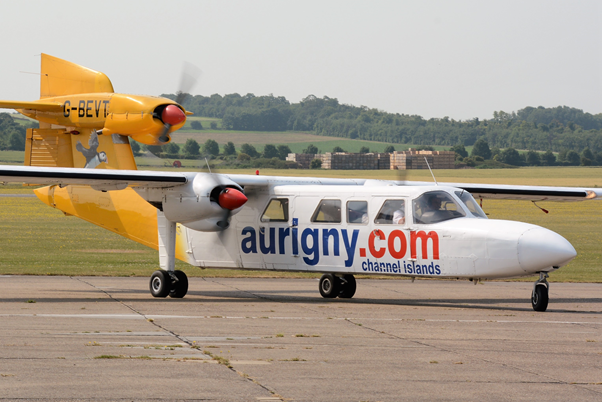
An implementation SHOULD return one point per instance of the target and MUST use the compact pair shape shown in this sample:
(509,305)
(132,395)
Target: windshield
(436,206)
(471,204)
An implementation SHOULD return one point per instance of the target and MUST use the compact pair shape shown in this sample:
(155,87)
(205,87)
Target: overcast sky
(461,59)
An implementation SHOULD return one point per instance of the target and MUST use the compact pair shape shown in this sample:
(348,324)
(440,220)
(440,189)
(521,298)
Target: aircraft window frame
(386,218)
(426,215)
(362,211)
(284,206)
(327,203)
(470,201)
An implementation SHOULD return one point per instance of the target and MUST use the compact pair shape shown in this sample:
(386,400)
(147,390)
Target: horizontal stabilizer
(41,106)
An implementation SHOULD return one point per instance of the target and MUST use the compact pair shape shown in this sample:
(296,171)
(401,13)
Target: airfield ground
(244,339)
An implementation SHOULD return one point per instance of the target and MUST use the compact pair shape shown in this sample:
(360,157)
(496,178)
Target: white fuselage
(349,229)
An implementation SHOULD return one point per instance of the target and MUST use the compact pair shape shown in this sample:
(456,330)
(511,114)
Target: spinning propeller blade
(172,114)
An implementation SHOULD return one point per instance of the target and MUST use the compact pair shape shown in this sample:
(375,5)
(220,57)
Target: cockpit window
(328,211)
(277,211)
(471,203)
(436,206)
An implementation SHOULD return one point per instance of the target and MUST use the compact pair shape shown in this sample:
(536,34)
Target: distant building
(411,159)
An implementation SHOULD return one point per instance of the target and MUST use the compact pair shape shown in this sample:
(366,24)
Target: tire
(180,287)
(330,286)
(160,284)
(348,287)
(539,298)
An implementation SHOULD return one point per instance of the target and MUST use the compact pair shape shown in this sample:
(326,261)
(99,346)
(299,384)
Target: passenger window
(436,206)
(357,212)
(393,212)
(277,211)
(328,211)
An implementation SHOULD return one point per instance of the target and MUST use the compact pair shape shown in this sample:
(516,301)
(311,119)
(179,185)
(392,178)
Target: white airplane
(338,227)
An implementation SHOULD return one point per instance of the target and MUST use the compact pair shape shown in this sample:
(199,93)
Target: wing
(109,179)
(41,106)
(100,179)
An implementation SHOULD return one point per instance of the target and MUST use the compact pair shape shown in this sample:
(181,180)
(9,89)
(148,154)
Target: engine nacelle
(205,203)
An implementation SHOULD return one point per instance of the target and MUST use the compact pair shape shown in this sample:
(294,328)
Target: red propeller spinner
(172,115)
(231,198)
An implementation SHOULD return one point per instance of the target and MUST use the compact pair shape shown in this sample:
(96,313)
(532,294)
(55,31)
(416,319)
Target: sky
(461,59)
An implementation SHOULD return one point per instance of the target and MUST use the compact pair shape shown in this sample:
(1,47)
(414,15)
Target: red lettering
(423,236)
(381,251)
(397,254)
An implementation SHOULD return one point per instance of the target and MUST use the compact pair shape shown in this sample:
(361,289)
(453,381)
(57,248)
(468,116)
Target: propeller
(172,115)
(229,199)
(401,173)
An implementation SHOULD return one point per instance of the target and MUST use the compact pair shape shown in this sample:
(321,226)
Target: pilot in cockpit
(433,203)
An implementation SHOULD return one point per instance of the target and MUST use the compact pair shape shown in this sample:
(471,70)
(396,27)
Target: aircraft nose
(540,249)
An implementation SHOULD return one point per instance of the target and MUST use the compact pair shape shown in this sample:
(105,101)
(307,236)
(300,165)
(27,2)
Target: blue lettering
(364,267)
(271,249)
(313,252)
(350,247)
(249,244)
(437,270)
(295,241)
(282,234)
(326,233)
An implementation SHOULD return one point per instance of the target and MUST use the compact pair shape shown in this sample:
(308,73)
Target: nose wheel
(540,295)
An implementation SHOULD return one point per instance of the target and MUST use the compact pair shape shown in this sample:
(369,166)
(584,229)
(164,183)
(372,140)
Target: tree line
(532,128)
(12,134)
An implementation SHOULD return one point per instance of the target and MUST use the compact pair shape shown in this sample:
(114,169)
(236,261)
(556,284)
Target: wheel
(348,287)
(179,288)
(539,298)
(160,283)
(329,286)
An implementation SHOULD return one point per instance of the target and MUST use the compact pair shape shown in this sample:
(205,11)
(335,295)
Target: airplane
(337,227)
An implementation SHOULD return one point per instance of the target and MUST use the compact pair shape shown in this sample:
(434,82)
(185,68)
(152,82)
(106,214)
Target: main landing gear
(332,286)
(167,280)
(539,297)
(174,284)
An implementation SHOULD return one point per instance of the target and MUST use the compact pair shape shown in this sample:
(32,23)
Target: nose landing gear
(540,297)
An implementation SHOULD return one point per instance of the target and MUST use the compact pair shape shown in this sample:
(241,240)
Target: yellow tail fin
(61,77)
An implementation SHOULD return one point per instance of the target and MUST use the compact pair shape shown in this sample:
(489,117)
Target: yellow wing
(41,106)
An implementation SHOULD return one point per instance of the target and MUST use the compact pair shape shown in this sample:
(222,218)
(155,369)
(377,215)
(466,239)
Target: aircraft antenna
(543,209)
(208,167)
(431,170)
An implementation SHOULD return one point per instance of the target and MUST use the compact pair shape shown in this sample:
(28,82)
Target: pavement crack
(177,336)
(182,338)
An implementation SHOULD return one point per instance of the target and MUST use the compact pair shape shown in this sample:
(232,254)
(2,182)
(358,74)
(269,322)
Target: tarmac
(107,339)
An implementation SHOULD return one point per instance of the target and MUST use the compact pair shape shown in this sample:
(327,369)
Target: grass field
(41,240)
(297,141)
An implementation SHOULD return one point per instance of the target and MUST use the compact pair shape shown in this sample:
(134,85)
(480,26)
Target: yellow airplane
(81,99)
(339,227)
